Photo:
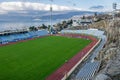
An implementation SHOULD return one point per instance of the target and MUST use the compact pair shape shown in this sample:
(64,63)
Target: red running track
(63,70)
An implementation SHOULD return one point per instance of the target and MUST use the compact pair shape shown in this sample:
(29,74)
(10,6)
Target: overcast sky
(58,5)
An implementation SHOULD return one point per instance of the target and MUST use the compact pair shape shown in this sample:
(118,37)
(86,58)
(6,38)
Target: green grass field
(37,59)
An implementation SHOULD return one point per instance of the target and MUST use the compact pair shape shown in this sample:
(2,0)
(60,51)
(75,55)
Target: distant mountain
(40,15)
(23,16)
(67,15)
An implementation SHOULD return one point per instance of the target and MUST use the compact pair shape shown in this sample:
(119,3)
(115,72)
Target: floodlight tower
(114,9)
(51,10)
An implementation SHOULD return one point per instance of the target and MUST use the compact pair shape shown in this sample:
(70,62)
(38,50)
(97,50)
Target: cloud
(97,7)
(6,7)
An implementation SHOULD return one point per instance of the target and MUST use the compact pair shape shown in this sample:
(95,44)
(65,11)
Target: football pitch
(37,59)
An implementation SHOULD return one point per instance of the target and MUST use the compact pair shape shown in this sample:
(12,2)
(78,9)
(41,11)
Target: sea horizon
(12,25)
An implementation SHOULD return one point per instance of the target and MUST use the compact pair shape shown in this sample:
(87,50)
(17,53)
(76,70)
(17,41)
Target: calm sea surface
(9,25)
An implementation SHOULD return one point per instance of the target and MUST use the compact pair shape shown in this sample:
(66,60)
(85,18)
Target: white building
(79,21)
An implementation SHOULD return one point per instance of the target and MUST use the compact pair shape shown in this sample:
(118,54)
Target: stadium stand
(13,37)
(87,72)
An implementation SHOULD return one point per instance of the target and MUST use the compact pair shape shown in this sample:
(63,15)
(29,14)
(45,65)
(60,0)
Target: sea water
(13,25)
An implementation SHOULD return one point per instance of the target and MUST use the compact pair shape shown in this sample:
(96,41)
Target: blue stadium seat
(15,37)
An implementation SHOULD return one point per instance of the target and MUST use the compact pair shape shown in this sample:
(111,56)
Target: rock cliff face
(110,54)
(100,25)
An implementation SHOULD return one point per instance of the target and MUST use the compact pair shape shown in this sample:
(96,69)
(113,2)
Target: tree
(44,26)
(33,28)
(83,17)
(70,22)
(95,14)
(64,24)
(49,28)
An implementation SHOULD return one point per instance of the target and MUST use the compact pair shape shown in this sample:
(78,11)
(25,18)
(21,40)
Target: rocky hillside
(110,54)
(100,25)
